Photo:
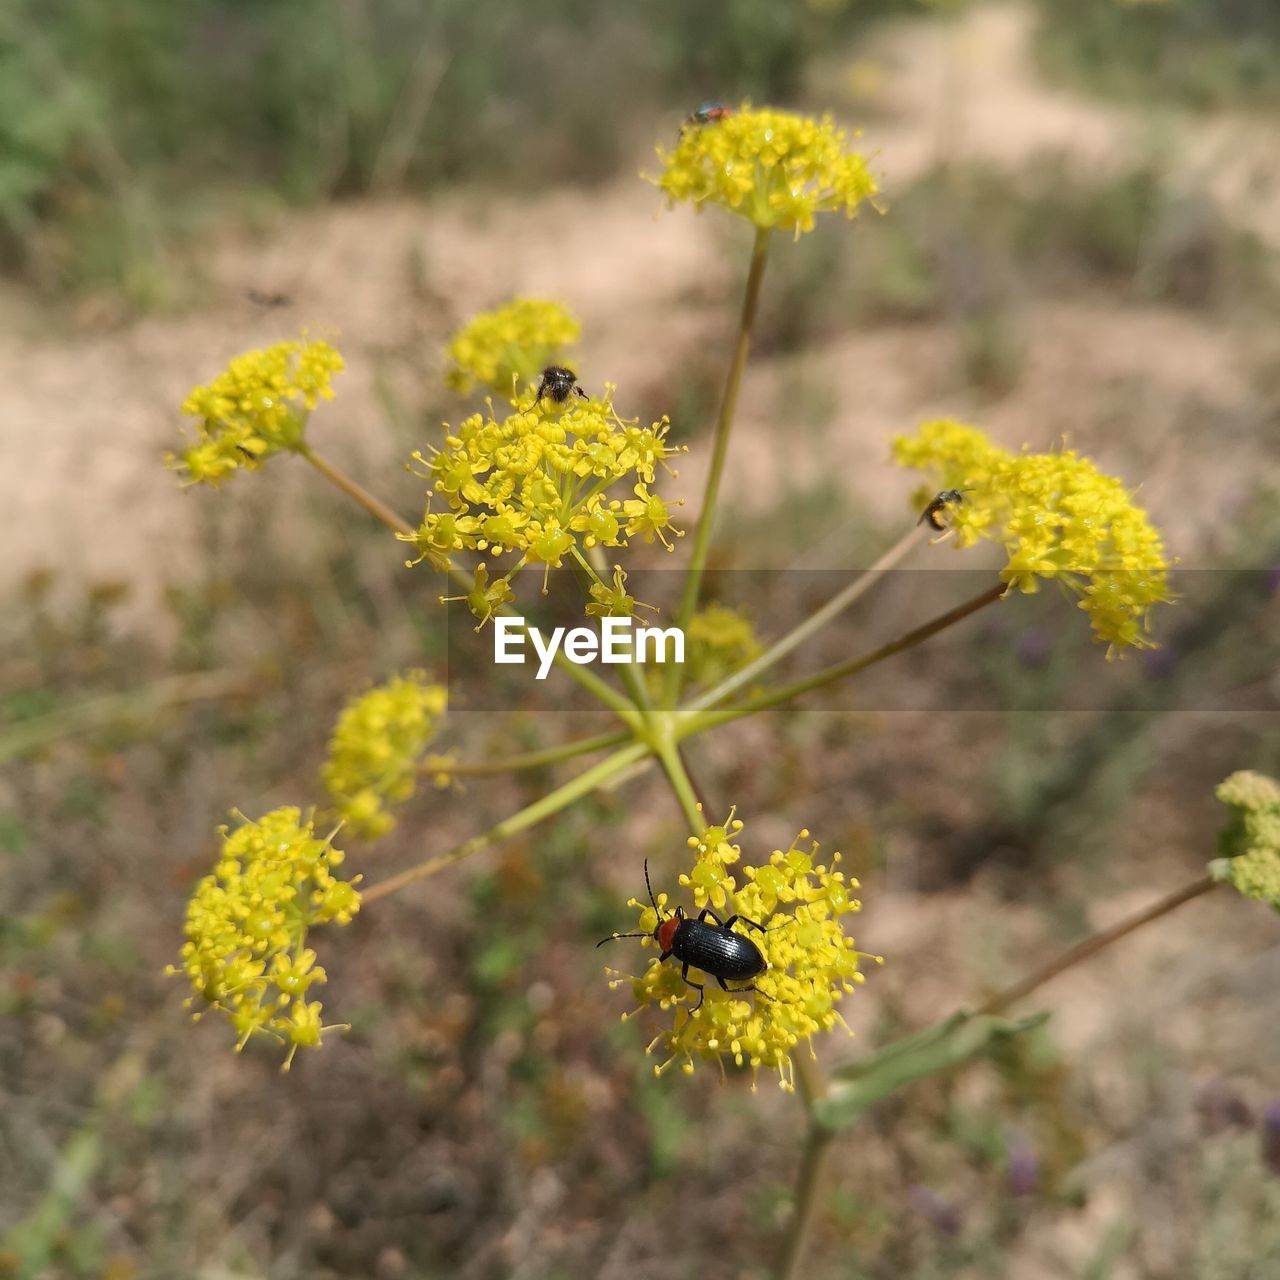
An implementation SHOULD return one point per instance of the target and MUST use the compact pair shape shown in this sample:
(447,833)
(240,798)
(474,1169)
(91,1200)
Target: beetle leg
(741,991)
(732,920)
(706,911)
(702,991)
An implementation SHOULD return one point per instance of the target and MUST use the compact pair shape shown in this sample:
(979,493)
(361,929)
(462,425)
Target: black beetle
(558,383)
(714,948)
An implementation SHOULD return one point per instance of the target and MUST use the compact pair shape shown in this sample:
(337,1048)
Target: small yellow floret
(513,342)
(247,927)
(376,748)
(1059,518)
(1251,839)
(721,641)
(774,168)
(812,963)
(535,486)
(258,405)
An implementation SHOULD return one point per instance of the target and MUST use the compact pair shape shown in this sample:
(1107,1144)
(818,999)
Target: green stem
(592,683)
(526,759)
(700,721)
(16,740)
(1090,946)
(376,508)
(813,1162)
(529,816)
(811,625)
(719,451)
(686,793)
(633,676)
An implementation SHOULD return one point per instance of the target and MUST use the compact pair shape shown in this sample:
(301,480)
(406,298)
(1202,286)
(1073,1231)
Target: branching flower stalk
(533,485)
(720,449)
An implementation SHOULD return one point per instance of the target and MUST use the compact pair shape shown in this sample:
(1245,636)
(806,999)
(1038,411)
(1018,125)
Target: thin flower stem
(673,766)
(529,816)
(633,676)
(813,1165)
(719,451)
(700,721)
(376,508)
(811,625)
(1090,946)
(83,717)
(526,759)
(591,682)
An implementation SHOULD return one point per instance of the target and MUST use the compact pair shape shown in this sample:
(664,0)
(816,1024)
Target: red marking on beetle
(666,932)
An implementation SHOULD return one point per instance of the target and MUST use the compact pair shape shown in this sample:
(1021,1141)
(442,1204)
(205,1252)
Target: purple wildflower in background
(1023,1164)
(1035,646)
(943,1216)
(1222,1106)
(1271,1137)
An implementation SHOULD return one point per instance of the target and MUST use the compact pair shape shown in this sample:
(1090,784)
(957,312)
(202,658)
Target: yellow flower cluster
(516,341)
(376,748)
(1058,517)
(1251,839)
(774,168)
(247,925)
(812,964)
(258,405)
(721,641)
(536,486)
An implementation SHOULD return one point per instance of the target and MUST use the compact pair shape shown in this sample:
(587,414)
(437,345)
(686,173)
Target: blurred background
(1081,213)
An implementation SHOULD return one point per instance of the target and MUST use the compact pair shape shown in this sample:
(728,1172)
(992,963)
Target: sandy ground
(86,415)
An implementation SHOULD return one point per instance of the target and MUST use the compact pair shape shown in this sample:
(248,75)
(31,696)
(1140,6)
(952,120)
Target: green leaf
(959,1039)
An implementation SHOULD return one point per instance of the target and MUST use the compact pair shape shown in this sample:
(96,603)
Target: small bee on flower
(933,513)
(558,383)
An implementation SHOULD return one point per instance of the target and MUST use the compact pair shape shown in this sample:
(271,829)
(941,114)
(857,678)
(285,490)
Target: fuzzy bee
(932,514)
(558,383)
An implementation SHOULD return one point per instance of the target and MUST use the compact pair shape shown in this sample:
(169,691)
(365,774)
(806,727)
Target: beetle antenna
(648,886)
(613,937)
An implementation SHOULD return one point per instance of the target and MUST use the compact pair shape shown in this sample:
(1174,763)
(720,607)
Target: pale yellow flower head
(377,747)
(514,342)
(812,964)
(247,927)
(774,168)
(1059,518)
(1251,839)
(258,405)
(535,488)
(721,641)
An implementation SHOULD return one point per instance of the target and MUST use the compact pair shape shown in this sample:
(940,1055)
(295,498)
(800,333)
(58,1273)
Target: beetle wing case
(722,953)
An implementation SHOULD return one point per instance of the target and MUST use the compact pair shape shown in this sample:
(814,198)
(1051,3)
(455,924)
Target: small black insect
(714,948)
(559,384)
(706,113)
(268,301)
(933,512)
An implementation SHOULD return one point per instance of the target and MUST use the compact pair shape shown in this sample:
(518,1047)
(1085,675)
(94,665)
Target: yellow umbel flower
(535,486)
(258,405)
(1059,518)
(513,342)
(812,964)
(774,168)
(721,641)
(247,926)
(376,748)
(1251,839)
